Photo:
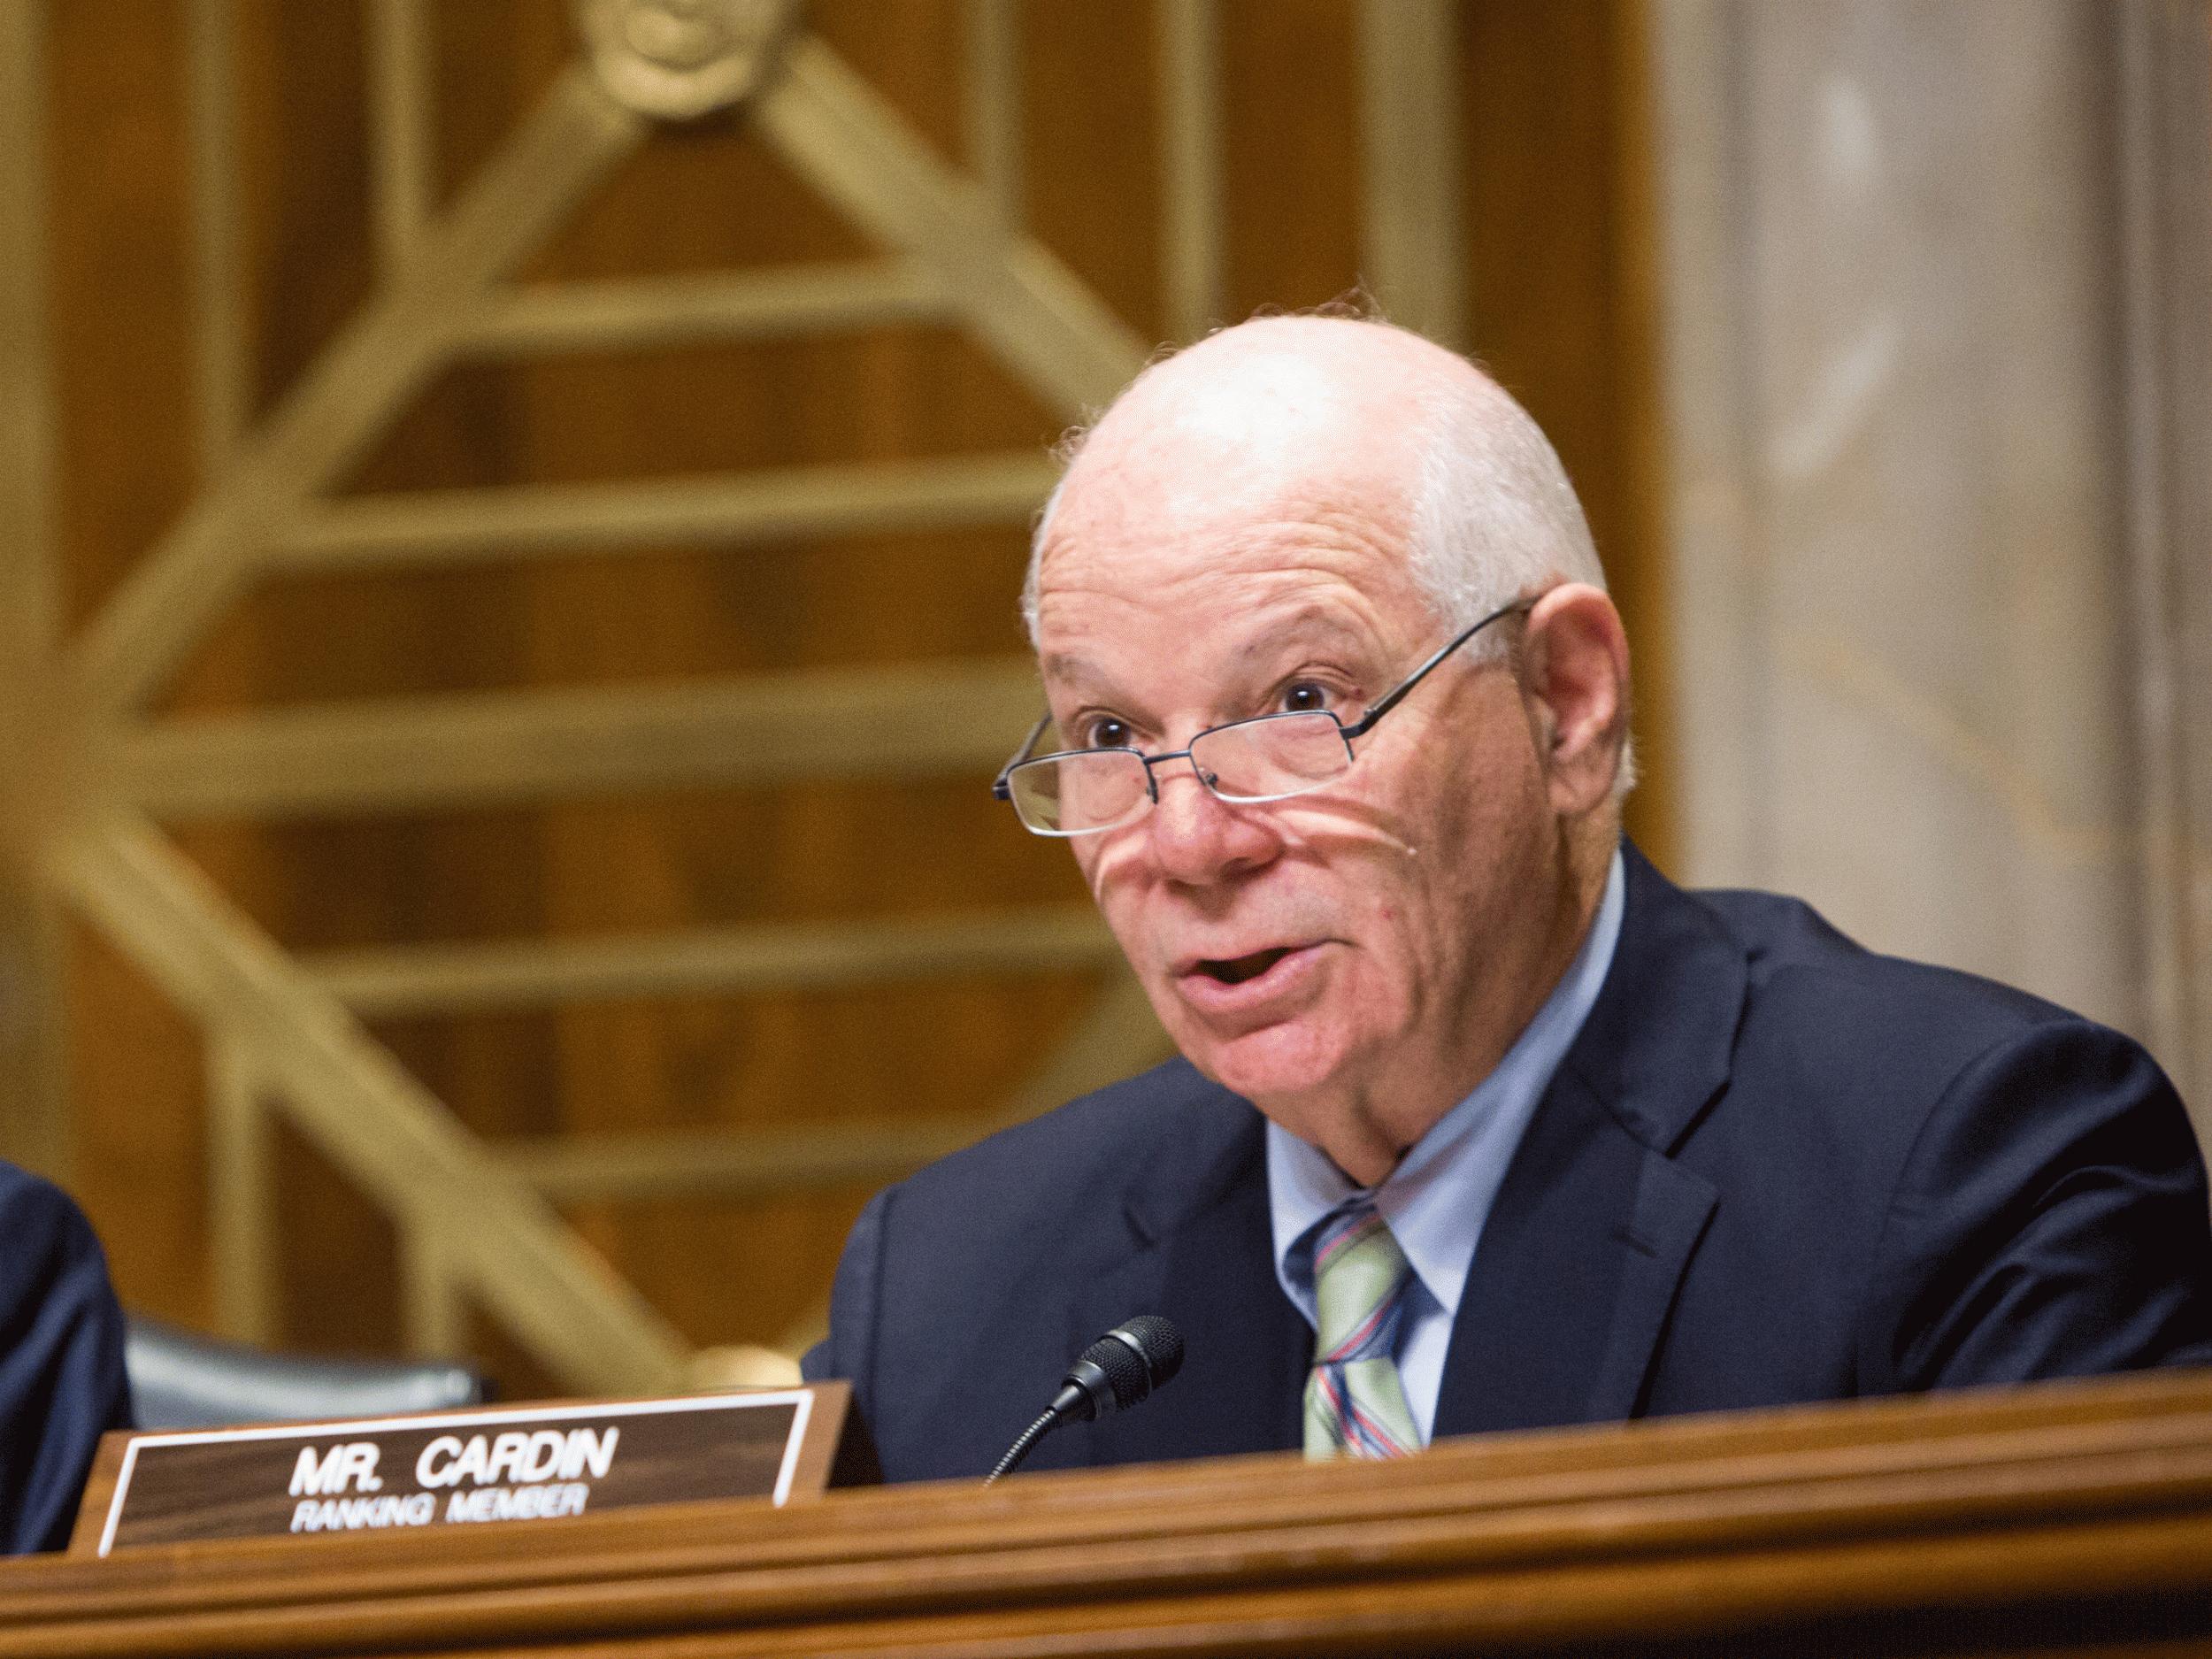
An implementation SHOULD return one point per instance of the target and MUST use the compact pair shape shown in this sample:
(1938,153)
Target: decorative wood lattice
(90,774)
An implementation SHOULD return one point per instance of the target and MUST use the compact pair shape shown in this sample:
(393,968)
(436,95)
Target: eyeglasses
(1271,757)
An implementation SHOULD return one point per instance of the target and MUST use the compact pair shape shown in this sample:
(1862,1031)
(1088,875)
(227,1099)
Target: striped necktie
(1356,1404)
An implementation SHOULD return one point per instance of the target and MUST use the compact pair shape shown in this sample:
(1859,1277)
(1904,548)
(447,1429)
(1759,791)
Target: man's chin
(1283,1061)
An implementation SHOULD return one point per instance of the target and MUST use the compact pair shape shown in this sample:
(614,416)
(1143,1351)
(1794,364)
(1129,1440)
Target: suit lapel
(1203,1256)
(1566,1302)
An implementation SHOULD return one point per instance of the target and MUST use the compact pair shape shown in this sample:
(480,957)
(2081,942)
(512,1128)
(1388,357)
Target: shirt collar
(1438,1198)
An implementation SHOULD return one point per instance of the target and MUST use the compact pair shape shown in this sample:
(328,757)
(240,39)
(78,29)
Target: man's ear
(1576,678)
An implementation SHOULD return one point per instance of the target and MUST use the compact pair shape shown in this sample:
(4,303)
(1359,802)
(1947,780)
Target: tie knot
(1351,1221)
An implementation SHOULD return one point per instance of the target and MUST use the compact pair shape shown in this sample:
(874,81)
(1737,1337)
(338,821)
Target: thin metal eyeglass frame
(1002,790)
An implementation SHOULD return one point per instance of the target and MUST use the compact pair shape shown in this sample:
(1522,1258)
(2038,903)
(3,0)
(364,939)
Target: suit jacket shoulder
(2014,1191)
(61,1383)
(1777,1167)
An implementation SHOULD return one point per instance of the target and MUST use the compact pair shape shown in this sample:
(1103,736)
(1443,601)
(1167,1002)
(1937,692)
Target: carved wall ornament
(675,60)
(284,1046)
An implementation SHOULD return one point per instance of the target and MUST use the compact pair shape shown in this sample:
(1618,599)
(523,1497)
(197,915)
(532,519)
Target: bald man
(1480,1123)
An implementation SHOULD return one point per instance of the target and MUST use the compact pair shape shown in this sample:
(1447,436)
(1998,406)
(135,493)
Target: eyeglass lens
(1264,759)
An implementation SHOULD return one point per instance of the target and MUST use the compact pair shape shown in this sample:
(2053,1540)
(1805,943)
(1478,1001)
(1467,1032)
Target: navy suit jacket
(61,1360)
(1772,1168)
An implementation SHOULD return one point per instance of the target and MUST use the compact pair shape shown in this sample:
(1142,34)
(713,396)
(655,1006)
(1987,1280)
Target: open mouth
(1237,971)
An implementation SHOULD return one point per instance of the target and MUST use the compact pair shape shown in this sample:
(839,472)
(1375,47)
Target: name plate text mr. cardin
(456,1468)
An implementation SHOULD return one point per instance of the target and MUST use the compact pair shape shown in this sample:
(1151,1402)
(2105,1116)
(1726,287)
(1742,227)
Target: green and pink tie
(1356,1404)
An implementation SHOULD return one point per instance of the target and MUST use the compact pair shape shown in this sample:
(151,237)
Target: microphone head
(1159,1342)
(1122,1368)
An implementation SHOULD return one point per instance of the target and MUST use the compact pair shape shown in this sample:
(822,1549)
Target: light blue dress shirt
(1439,1197)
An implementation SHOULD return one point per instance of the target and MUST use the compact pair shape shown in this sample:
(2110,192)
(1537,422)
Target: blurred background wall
(509,595)
(1936,304)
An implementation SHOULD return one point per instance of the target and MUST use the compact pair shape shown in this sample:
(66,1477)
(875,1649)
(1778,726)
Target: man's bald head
(1485,508)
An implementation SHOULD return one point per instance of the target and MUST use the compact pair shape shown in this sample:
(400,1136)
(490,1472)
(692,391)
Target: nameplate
(461,1467)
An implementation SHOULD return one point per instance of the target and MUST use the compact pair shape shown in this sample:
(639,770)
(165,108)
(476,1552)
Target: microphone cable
(1118,1371)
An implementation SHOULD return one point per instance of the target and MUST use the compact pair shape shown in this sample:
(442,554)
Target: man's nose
(1197,836)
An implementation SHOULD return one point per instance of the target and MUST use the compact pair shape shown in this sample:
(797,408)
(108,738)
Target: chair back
(180,1380)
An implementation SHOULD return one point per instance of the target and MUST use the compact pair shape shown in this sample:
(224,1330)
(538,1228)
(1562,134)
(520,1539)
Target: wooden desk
(2061,1518)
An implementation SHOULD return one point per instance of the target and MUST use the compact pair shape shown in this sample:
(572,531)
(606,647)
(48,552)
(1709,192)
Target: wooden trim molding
(2066,1518)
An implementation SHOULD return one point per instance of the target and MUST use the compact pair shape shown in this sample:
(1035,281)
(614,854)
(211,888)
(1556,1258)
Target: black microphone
(1117,1372)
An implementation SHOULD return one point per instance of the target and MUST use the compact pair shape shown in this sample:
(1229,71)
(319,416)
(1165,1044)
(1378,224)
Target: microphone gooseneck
(1044,1426)
(1118,1371)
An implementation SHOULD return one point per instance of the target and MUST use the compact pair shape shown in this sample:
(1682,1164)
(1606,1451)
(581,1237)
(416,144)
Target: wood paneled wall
(1556,229)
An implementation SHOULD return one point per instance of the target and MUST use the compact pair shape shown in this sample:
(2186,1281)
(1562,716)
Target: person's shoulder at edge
(62,1381)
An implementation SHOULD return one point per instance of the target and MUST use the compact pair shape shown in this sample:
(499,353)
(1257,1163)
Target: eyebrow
(1310,623)
(1063,665)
